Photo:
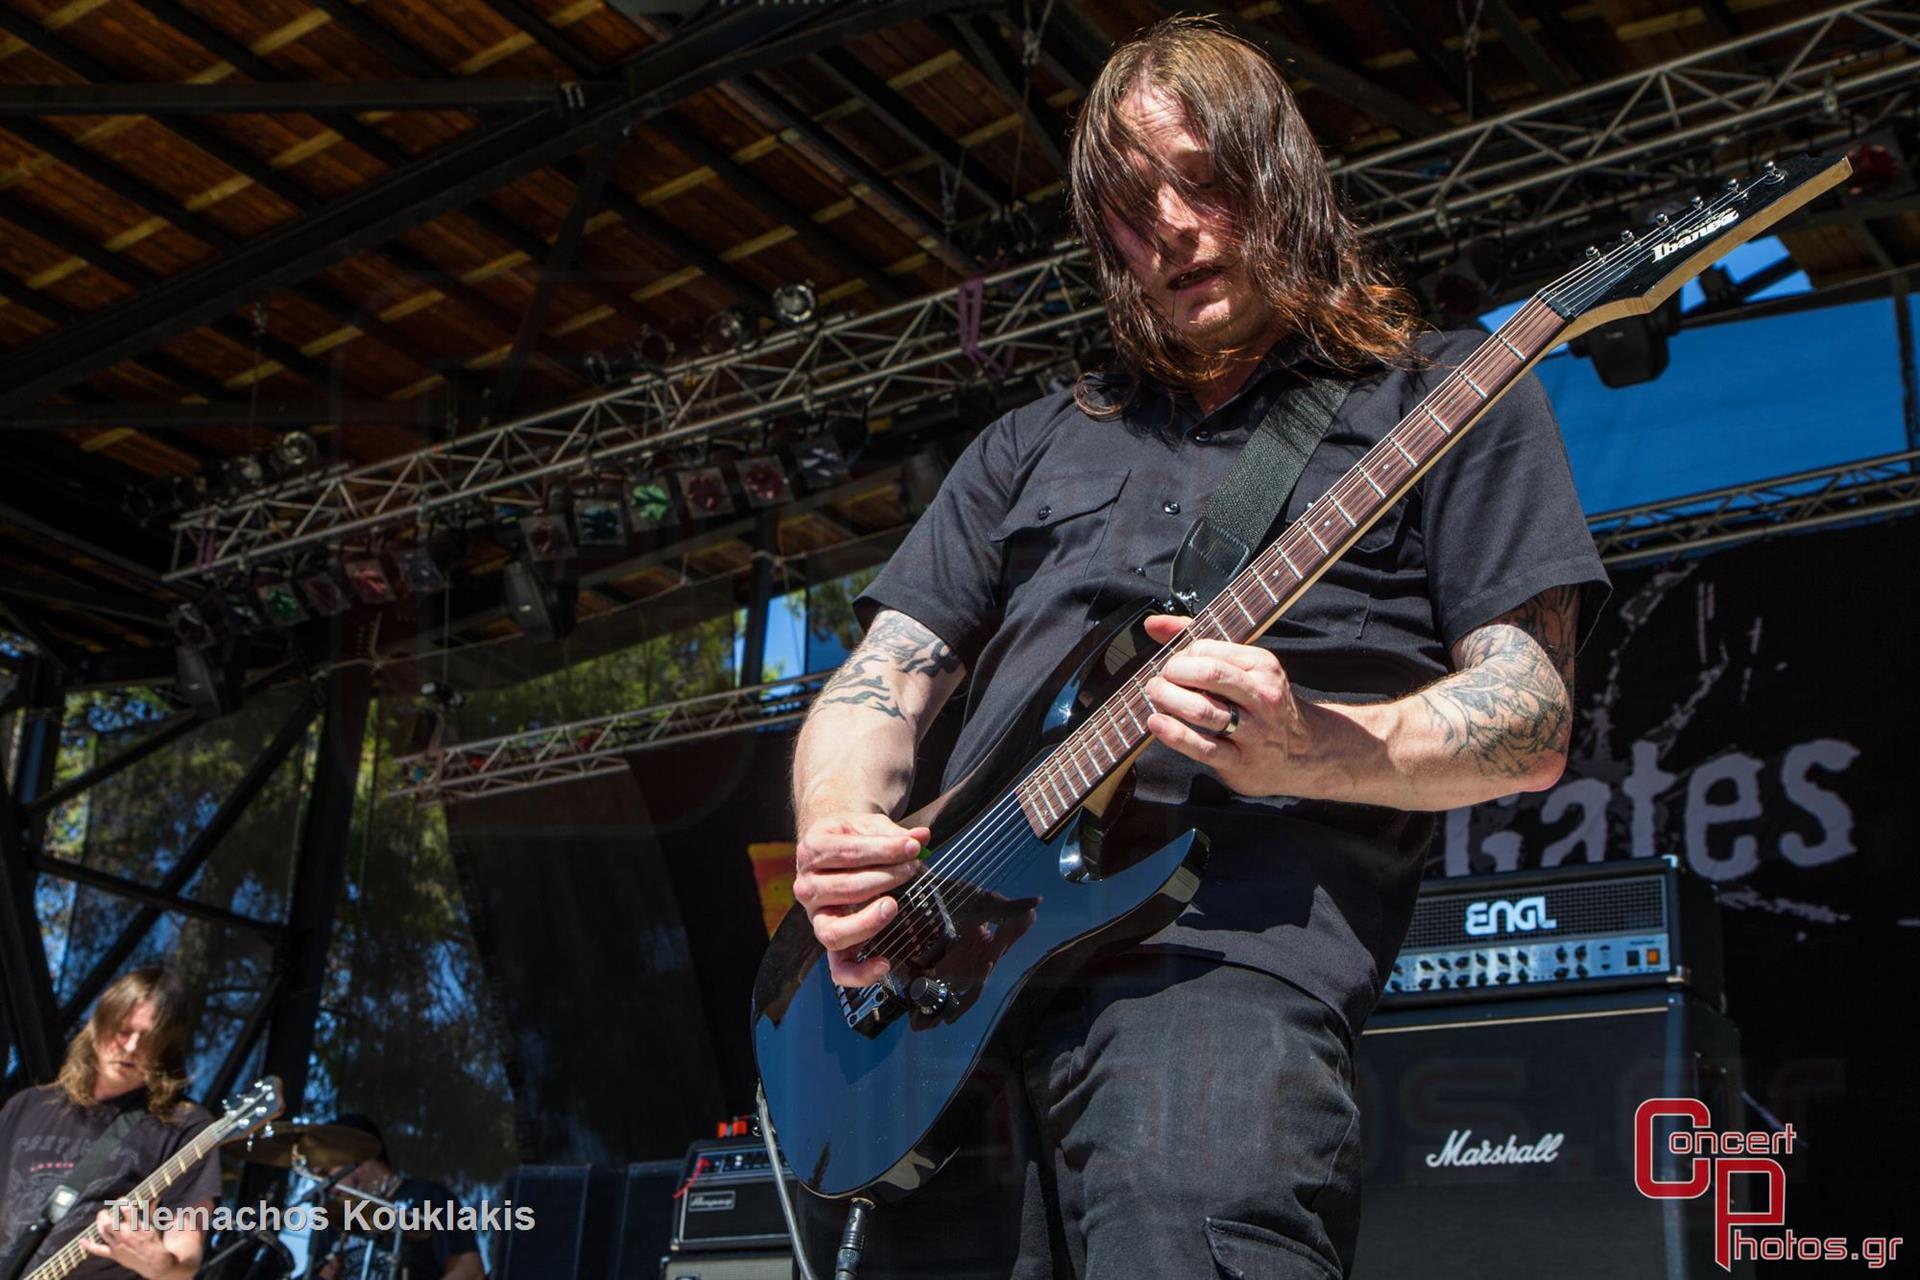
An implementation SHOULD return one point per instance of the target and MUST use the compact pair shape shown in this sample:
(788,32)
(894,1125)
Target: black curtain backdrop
(1750,712)
(579,927)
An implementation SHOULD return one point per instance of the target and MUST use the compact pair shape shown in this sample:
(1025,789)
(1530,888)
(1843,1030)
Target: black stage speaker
(1551,1084)
(645,1227)
(576,1210)
(590,1223)
(765,1265)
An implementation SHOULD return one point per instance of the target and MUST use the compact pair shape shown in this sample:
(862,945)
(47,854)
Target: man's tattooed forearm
(896,642)
(1510,704)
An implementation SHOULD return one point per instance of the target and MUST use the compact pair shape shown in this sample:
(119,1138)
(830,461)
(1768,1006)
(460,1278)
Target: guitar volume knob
(929,995)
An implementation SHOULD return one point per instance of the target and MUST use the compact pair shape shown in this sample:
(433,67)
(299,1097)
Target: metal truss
(1853,492)
(1812,67)
(589,748)
(1856,491)
(1024,321)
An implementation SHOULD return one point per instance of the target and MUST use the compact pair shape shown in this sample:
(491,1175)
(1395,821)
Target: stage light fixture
(281,603)
(246,472)
(541,604)
(209,679)
(1881,168)
(1633,349)
(368,578)
(296,451)
(325,594)
(704,490)
(649,502)
(546,536)
(244,614)
(731,330)
(1717,286)
(820,463)
(600,521)
(191,626)
(419,570)
(1464,287)
(795,304)
(764,481)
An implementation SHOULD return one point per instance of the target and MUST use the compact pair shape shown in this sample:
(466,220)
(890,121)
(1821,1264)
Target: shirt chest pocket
(1056,529)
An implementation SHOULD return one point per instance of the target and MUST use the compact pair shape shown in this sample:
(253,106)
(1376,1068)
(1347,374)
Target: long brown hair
(167,1070)
(1302,253)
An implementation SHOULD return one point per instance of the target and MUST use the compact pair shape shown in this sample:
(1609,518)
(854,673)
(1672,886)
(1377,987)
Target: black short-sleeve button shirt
(1051,519)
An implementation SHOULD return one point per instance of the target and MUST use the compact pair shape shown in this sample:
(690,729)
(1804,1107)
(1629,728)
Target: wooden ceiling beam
(891,108)
(738,41)
(396,50)
(1045,128)
(811,233)
(368,139)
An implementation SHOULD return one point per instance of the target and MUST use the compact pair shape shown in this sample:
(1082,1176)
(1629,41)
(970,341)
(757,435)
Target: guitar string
(989,846)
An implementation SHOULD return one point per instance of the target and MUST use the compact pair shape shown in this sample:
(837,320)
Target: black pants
(1165,1117)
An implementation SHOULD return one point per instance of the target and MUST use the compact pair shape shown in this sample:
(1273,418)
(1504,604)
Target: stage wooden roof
(827,168)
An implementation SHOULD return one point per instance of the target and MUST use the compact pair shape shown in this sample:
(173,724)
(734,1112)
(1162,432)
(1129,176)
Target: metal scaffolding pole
(25,982)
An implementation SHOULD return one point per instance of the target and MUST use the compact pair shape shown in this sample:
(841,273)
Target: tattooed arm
(1499,724)
(852,769)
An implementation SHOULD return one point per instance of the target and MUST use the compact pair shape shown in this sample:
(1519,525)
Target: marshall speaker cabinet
(1535,1011)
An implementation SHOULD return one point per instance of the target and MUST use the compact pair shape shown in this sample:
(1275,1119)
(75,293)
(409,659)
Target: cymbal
(325,1146)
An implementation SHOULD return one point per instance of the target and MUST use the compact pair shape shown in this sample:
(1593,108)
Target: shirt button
(1171,507)
(1045,512)
(1202,435)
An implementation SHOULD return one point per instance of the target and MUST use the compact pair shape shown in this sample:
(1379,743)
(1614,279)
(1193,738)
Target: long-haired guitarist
(128,1060)
(1187,1108)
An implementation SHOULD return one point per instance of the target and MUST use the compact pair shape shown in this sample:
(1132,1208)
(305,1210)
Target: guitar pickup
(933,910)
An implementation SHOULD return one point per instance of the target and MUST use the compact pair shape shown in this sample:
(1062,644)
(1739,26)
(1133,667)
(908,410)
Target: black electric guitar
(1035,862)
(245,1113)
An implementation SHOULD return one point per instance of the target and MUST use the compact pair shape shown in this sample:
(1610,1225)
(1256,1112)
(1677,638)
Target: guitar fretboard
(1270,584)
(69,1256)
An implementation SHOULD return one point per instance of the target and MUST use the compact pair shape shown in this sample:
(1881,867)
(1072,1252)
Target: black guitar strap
(67,1194)
(1221,542)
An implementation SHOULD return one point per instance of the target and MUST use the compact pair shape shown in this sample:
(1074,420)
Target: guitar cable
(780,1182)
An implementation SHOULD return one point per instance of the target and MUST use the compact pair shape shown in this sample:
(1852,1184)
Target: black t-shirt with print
(43,1136)
(1051,519)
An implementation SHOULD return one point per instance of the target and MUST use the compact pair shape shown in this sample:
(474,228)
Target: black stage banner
(580,931)
(1747,713)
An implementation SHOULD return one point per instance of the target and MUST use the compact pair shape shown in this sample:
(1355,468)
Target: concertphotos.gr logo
(1715,1157)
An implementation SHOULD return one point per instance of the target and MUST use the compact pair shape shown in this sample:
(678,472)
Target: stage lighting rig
(705,493)
(296,451)
(820,463)
(764,481)
(649,501)
(735,329)
(281,603)
(795,304)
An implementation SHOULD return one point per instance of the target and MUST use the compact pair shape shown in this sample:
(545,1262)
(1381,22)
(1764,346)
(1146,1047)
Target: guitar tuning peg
(1626,237)
(1733,185)
(1593,251)
(1699,203)
(1661,220)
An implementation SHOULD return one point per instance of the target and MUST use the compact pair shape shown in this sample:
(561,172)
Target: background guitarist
(1187,1108)
(130,1056)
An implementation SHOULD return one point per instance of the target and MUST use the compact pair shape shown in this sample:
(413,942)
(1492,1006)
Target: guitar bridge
(870,1008)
